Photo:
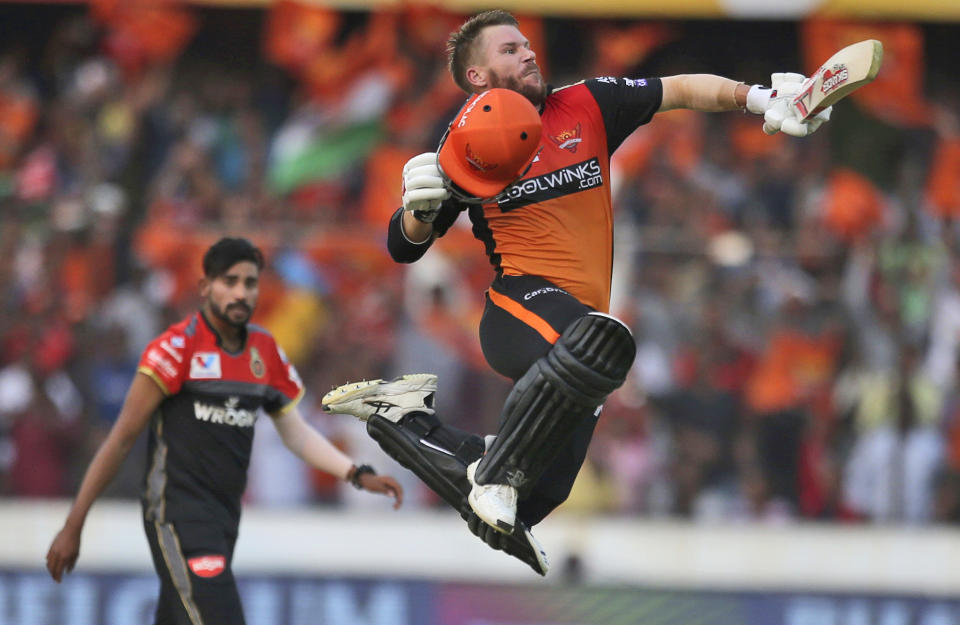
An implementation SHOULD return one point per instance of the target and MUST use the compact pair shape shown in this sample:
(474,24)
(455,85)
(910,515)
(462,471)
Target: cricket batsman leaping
(530,165)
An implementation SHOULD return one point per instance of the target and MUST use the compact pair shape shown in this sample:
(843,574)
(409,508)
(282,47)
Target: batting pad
(589,361)
(439,454)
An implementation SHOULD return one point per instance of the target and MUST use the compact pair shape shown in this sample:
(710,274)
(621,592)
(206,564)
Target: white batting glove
(762,99)
(780,117)
(794,127)
(423,189)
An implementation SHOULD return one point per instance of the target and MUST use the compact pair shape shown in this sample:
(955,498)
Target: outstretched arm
(703,92)
(142,400)
(317,451)
(707,92)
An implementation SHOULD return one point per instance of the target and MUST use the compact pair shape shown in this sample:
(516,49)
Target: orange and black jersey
(201,435)
(557,222)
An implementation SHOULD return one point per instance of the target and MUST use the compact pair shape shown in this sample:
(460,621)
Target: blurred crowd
(796,303)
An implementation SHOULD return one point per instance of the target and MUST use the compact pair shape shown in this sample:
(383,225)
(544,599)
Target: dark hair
(460,45)
(226,253)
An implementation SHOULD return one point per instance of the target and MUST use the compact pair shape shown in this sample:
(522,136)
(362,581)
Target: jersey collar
(213,329)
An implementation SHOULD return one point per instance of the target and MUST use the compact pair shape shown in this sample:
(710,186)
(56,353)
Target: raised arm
(703,92)
(141,402)
(711,93)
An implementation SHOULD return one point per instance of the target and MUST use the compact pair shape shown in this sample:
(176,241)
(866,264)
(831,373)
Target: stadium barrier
(374,567)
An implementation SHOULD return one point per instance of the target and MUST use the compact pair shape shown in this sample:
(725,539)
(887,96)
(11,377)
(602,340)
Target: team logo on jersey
(568,139)
(257,367)
(205,366)
(207,566)
(477,162)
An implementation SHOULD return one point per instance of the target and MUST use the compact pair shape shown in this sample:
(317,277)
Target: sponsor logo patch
(161,364)
(834,77)
(228,414)
(177,341)
(207,566)
(473,105)
(565,181)
(546,289)
(170,349)
(205,366)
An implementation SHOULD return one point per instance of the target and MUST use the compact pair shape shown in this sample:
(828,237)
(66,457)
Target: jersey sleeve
(165,361)
(625,104)
(285,388)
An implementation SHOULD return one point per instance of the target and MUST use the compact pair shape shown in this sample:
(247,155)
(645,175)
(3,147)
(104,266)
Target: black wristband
(425,217)
(359,471)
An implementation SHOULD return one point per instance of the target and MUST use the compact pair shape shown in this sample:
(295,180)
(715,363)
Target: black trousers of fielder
(185,597)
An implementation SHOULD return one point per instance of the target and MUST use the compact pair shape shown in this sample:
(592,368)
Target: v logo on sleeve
(205,366)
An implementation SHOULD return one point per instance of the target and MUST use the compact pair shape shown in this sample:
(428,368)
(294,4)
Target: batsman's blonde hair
(461,44)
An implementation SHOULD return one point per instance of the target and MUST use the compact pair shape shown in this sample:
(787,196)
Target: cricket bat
(842,74)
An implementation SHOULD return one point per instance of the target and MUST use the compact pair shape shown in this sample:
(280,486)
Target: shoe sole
(354,391)
(538,551)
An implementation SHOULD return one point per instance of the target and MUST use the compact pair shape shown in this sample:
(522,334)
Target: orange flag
(296,33)
(853,206)
(943,185)
(619,49)
(143,31)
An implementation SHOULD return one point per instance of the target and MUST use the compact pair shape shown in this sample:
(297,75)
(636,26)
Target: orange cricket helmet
(489,145)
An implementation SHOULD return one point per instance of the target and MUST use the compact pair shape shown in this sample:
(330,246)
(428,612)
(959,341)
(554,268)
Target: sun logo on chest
(568,139)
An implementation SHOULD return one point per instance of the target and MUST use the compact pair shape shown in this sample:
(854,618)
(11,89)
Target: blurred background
(786,449)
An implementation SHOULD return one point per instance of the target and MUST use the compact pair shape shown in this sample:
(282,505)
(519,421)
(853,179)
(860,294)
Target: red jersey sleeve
(284,381)
(165,360)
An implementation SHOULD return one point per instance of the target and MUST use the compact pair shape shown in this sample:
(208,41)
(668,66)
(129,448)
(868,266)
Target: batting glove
(780,117)
(423,189)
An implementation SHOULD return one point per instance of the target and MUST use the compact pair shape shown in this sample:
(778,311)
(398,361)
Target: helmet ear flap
(489,145)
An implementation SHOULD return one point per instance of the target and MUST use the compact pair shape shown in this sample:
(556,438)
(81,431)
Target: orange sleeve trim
(156,378)
(531,319)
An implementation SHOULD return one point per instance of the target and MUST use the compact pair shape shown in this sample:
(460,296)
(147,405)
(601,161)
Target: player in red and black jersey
(547,228)
(199,388)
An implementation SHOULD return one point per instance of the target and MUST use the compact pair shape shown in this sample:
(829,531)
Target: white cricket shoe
(495,504)
(388,399)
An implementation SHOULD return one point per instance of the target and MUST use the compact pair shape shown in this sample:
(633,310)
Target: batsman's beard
(535,93)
